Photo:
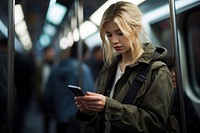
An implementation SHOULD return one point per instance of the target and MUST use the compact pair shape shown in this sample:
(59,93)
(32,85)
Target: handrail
(79,13)
(177,64)
(11,51)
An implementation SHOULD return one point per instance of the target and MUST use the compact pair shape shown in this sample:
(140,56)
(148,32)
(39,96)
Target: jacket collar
(146,57)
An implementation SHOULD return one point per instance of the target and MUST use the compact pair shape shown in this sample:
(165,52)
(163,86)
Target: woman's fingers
(82,107)
(92,101)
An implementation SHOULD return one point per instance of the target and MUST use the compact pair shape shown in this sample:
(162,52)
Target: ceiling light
(163,11)
(73,22)
(76,34)
(96,16)
(25,38)
(21,28)
(63,43)
(66,42)
(93,40)
(87,28)
(26,41)
(56,13)
(19,15)
(45,40)
(3,28)
(49,29)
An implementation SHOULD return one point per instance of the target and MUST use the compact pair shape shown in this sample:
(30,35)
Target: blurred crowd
(45,81)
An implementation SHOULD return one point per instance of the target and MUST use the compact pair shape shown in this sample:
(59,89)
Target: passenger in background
(23,77)
(59,99)
(192,119)
(44,68)
(43,71)
(23,84)
(95,61)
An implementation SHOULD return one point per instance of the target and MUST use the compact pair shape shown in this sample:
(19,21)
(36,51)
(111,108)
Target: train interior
(60,23)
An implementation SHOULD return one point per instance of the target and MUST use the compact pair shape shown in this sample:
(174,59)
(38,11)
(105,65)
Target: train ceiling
(35,11)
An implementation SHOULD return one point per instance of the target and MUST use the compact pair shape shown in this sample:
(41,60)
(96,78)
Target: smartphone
(76,90)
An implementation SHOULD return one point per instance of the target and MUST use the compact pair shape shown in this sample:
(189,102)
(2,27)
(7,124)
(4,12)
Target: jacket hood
(152,53)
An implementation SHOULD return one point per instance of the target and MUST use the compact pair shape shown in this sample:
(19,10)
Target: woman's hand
(90,102)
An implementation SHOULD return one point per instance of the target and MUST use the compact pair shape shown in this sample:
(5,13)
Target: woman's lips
(118,48)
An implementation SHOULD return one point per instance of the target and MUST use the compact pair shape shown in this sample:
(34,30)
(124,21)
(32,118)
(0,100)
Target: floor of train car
(33,122)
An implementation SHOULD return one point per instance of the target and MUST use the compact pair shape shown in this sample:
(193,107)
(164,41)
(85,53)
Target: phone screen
(76,90)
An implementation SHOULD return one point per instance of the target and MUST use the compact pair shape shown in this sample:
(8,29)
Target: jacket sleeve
(152,113)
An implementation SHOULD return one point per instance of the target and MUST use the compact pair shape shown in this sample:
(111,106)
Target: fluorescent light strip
(76,34)
(3,28)
(56,13)
(19,15)
(21,28)
(164,10)
(97,15)
(44,40)
(93,40)
(87,28)
(49,29)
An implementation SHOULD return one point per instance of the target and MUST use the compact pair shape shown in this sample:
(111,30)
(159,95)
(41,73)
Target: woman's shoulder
(157,64)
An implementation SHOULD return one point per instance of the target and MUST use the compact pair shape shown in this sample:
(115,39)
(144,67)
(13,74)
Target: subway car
(32,25)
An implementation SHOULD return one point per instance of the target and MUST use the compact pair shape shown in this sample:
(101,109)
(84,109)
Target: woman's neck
(127,60)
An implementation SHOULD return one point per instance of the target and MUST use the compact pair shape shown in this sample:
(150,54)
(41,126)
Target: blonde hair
(129,19)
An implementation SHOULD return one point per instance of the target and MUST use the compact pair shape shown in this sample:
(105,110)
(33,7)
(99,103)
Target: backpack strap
(138,81)
(137,84)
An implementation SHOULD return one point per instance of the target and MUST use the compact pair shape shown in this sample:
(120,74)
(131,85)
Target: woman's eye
(108,35)
(120,33)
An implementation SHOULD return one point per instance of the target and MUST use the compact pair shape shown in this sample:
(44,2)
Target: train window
(163,33)
(193,45)
(192,32)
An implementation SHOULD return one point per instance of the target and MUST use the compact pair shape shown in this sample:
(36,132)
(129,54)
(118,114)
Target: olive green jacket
(149,111)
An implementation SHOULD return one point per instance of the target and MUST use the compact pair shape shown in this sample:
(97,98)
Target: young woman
(123,50)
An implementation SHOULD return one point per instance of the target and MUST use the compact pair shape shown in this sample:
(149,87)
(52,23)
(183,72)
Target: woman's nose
(114,40)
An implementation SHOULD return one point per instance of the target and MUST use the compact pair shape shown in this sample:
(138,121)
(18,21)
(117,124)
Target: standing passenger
(192,119)
(123,50)
(58,98)
(95,62)
(43,71)
(23,76)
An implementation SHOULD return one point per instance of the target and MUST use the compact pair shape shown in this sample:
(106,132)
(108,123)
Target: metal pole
(11,51)
(177,65)
(79,9)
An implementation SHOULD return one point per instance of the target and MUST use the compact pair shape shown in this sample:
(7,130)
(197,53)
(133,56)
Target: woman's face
(119,42)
